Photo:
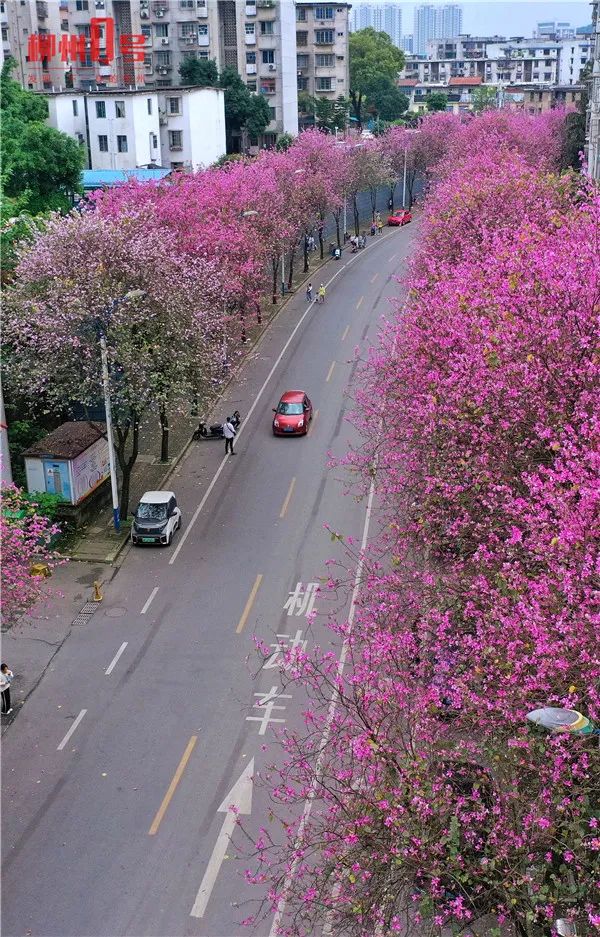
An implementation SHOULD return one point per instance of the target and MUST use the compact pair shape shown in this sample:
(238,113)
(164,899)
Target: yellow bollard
(40,569)
(97,594)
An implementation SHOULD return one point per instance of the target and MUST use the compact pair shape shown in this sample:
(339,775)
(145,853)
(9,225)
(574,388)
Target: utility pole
(5,466)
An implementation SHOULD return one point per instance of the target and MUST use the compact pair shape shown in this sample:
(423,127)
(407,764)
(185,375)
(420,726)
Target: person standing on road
(309,293)
(229,434)
(380,226)
(321,295)
(6,676)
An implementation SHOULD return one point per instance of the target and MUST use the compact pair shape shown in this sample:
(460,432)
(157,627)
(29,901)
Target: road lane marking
(277,920)
(149,600)
(287,497)
(312,422)
(328,378)
(265,384)
(237,801)
(173,785)
(249,604)
(71,730)
(346,330)
(113,662)
(359,303)
(392,259)
(374,277)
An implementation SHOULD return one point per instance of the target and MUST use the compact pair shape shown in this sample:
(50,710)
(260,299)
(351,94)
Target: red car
(292,414)
(399,218)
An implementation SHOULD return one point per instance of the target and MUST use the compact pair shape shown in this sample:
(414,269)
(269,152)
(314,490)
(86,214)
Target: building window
(268,56)
(323,84)
(250,30)
(175,139)
(188,30)
(250,58)
(302,61)
(202,29)
(147,31)
(324,61)
(267,86)
(186,4)
(81,5)
(269,139)
(203,54)
(324,37)
(302,39)
(100,108)
(154,141)
(161,30)
(174,105)
(149,105)
(121,143)
(251,85)
(103,143)
(301,14)
(119,108)
(163,59)
(272,113)
(5,34)
(75,108)
(177,167)
(323,13)
(266,28)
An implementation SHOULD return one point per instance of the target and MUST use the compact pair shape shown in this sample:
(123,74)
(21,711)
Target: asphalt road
(115,770)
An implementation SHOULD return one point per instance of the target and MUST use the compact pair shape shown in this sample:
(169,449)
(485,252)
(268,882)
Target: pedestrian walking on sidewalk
(229,434)
(6,676)
(309,293)
(321,293)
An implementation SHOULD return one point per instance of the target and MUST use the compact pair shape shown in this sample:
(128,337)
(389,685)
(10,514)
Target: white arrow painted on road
(240,798)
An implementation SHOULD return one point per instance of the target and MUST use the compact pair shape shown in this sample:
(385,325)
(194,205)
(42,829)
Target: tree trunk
(291,272)
(258,314)
(356,215)
(321,249)
(126,465)
(392,192)
(336,215)
(373,194)
(243,336)
(275,265)
(305,251)
(164,439)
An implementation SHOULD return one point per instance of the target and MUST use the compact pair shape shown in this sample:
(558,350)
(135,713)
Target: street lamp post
(132,294)
(404,177)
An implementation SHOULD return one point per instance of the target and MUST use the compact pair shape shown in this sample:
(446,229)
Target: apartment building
(384,17)
(435,22)
(178,128)
(322,49)
(20,20)
(593,114)
(574,56)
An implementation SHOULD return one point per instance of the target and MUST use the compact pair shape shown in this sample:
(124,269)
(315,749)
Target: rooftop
(103,178)
(68,441)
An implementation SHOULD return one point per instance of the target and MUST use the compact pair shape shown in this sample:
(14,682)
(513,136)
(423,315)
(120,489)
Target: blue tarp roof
(97,178)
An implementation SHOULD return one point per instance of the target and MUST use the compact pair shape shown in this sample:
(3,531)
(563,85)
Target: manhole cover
(115,612)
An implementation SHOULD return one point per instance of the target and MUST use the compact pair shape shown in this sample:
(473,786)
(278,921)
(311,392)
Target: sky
(489,17)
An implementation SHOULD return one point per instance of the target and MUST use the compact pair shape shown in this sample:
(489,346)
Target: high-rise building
(593,114)
(552,29)
(435,22)
(384,17)
(322,54)
(256,37)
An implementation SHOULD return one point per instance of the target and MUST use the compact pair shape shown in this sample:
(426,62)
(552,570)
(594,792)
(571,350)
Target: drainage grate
(84,614)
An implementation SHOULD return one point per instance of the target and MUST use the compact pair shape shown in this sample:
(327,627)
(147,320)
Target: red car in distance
(399,218)
(292,414)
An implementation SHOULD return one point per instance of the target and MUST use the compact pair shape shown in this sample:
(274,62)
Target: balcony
(41,9)
(265,4)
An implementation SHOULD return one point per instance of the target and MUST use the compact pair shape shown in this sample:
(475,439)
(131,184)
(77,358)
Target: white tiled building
(179,128)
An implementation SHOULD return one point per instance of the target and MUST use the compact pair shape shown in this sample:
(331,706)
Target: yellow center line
(359,303)
(374,277)
(173,785)
(327,379)
(287,497)
(249,603)
(312,422)
(346,330)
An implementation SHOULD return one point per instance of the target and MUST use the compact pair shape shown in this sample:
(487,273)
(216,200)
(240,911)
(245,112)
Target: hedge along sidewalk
(99,542)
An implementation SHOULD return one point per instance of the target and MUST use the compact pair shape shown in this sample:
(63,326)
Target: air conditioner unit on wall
(165,41)
(144,14)
(272,68)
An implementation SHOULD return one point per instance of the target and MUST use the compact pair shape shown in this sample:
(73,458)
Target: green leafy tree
(574,131)
(385,99)
(484,98)
(437,101)
(372,56)
(199,72)
(41,167)
(245,113)
(284,142)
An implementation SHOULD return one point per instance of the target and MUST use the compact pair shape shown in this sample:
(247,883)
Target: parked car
(292,414)
(399,218)
(156,518)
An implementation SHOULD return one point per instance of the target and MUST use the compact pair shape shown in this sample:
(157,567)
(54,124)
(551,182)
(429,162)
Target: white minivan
(156,518)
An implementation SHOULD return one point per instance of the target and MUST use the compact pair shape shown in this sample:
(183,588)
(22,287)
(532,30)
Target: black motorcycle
(215,431)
